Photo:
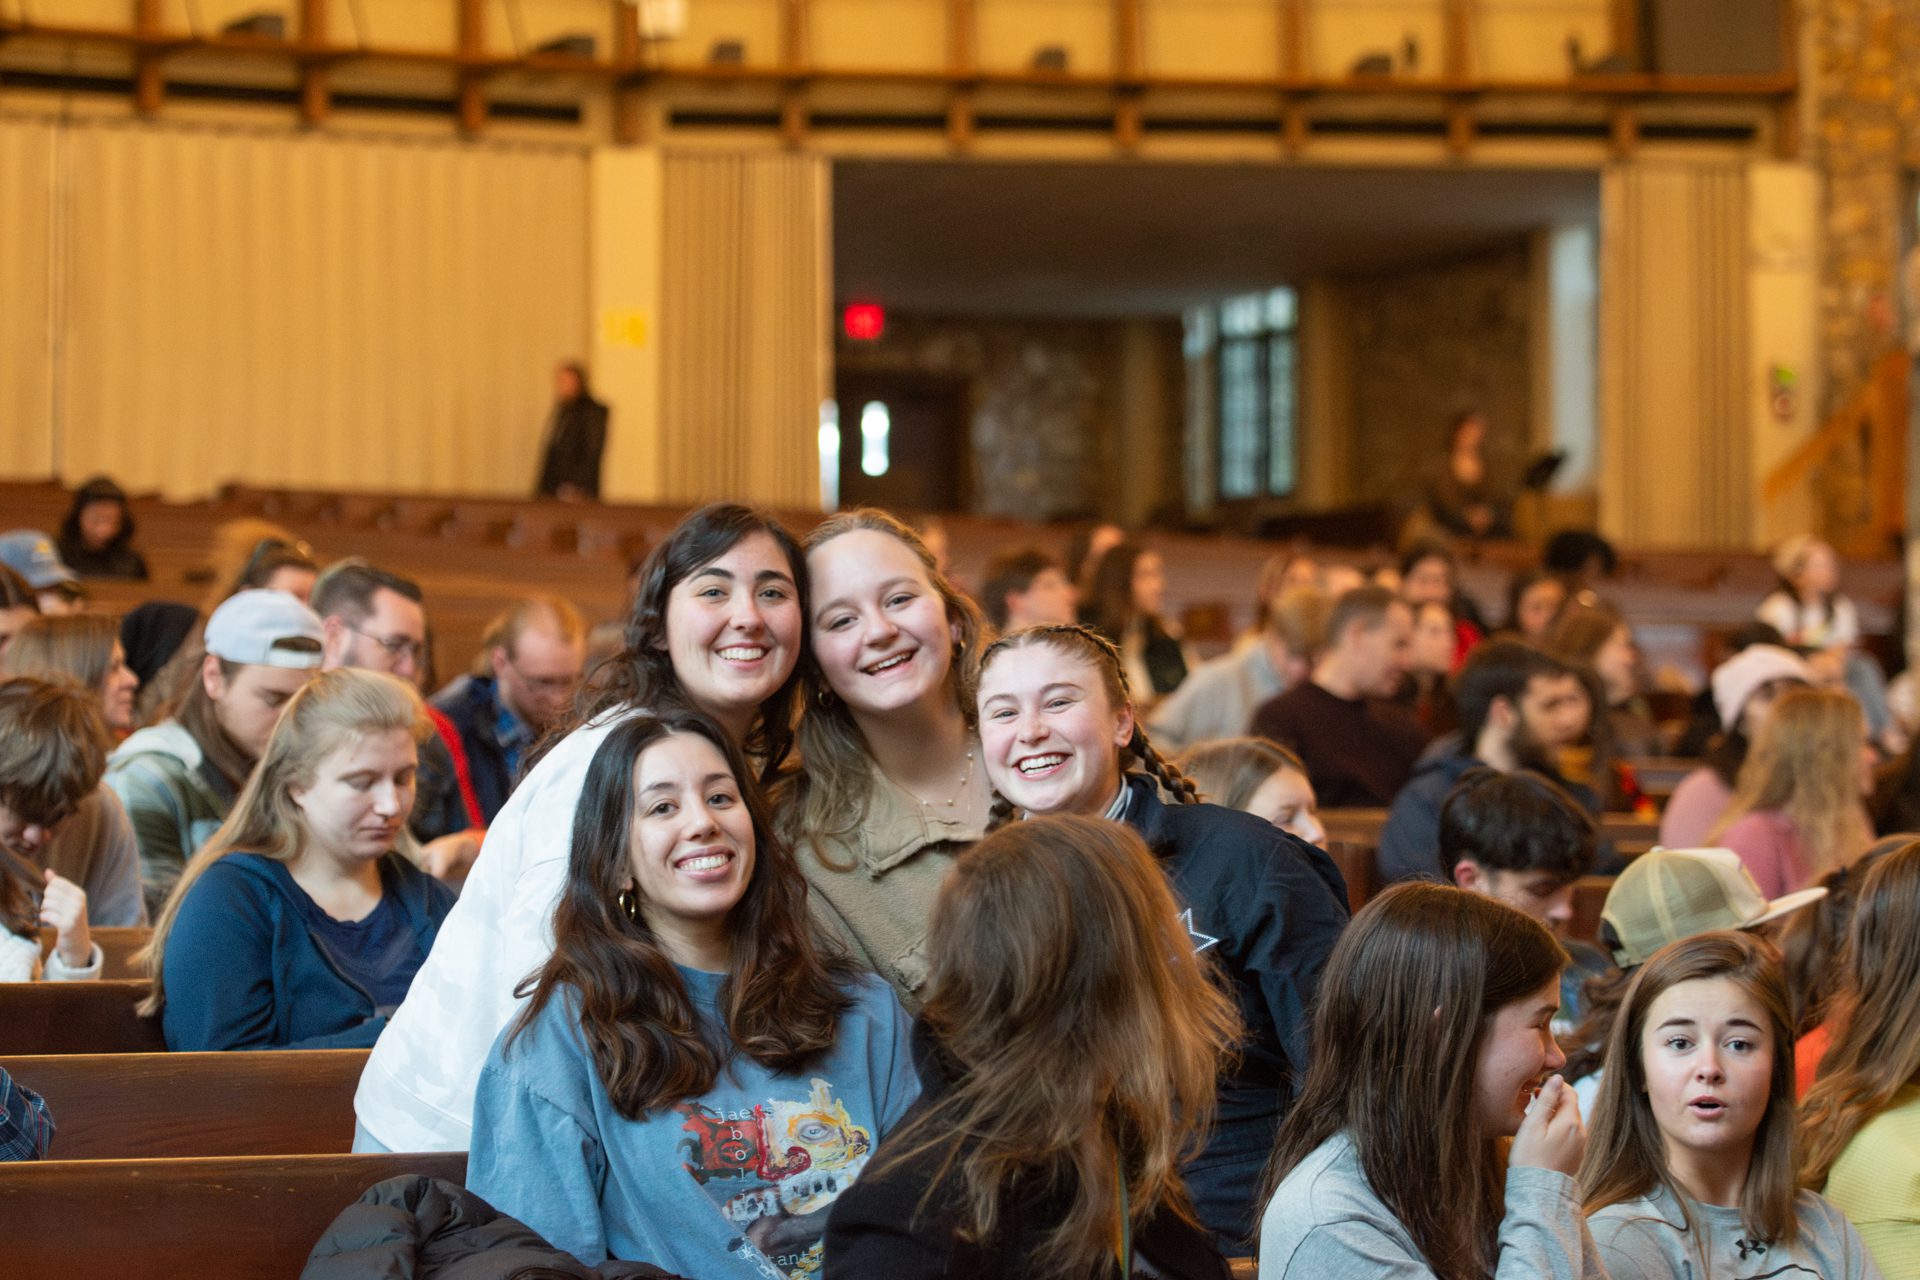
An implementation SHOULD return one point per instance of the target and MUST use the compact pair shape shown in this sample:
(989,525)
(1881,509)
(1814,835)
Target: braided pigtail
(1164,771)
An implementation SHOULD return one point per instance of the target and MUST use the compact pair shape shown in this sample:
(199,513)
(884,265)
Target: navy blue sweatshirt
(244,969)
(1270,907)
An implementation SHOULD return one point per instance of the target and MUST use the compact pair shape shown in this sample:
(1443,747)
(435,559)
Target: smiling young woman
(893,787)
(686,995)
(715,628)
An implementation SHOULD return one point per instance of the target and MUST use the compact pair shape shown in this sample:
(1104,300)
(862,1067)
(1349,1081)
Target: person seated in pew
(81,649)
(1518,707)
(1220,696)
(1432,1045)
(1745,687)
(26,1126)
(377,621)
(96,538)
(301,923)
(178,779)
(1520,838)
(1360,748)
(31,554)
(1027,587)
(1690,1166)
(522,685)
(1663,896)
(1257,777)
(694,1079)
(1067,1060)
(59,824)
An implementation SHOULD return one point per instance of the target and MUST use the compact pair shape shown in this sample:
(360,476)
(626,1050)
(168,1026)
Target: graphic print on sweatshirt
(773,1170)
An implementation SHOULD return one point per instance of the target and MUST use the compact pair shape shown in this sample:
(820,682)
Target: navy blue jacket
(244,971)
(473,704)
(1269,907)
(1410,842)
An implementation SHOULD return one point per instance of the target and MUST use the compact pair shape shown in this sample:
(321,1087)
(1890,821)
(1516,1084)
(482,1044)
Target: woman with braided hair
(1058,735)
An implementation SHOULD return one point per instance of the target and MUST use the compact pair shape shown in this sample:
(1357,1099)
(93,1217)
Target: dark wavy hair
(783,995)
(641,673)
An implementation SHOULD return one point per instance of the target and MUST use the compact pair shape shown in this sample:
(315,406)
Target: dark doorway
(903,441)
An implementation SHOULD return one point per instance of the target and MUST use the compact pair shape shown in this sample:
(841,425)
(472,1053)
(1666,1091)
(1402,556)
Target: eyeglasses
(396,646)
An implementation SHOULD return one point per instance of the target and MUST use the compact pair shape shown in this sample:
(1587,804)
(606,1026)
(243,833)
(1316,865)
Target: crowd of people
(836,920)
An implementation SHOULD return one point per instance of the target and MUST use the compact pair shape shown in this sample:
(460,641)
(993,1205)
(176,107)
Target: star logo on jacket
(1200,940)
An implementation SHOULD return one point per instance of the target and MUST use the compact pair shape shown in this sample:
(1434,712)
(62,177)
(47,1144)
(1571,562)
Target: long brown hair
(1876,1048)
(1626,1157)
(332,709)
(75,648)
(1804,765)
(1398,1078)
(195,711)
(1100,653)
(1086,1035)
(828,800)
(782,997)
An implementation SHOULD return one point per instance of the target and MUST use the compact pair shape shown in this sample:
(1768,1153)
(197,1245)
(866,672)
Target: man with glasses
(534,656)
(55,816)
(377,621)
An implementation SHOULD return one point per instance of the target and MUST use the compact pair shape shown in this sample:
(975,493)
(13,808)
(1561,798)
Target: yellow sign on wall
(623,327)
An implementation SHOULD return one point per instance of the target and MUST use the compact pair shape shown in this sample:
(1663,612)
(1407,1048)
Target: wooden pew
(1355,858)
(253,1216)
(76,1017)
(117,946)
(130,1106)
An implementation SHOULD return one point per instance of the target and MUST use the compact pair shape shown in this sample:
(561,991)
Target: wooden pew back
(117,946)
(76,1017)
(167,1105)
(186,1219)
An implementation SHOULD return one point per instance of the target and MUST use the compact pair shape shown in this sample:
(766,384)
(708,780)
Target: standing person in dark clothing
(1359,749)
(97,535)
(576,437)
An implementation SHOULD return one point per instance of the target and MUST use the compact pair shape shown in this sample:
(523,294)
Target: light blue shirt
(736,1182)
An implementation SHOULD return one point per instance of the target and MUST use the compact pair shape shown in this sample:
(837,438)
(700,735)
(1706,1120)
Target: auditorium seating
(76,1017)
(154,1105)
(251,1216)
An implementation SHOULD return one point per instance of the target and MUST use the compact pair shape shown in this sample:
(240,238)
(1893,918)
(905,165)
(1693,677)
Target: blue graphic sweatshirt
(736,1182)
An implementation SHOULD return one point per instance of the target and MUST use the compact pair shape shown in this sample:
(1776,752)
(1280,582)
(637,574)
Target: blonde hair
(333,709)
(64,649)
(1804,765)
(828,799)
(1875,1049)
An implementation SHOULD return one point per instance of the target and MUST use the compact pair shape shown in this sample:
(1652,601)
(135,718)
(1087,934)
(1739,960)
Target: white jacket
(417,1091)
(20,962)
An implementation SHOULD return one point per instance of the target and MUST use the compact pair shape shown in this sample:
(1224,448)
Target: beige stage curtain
(1675,435)
(311,310)
(29,194)
(745,329)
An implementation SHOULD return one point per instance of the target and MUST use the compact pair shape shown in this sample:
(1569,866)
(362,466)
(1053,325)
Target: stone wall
(1045,415)
(1427,344)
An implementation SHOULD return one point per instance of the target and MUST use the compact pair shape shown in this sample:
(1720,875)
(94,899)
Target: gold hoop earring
(629,903)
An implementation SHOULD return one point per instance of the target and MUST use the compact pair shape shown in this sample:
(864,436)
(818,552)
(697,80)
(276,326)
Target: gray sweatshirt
(1326,1223)
(1647,1239)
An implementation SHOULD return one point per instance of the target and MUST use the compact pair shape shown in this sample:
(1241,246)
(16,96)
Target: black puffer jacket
(419,1228)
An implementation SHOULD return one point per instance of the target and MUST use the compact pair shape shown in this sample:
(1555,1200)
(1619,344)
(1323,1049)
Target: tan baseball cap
(1670,894)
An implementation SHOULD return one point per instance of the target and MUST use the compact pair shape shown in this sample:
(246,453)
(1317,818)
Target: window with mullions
(1245,351)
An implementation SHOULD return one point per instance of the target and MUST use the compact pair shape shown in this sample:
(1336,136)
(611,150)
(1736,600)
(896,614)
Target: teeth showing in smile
(887,664)
(1040,764)
(743,653)
(707,862)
